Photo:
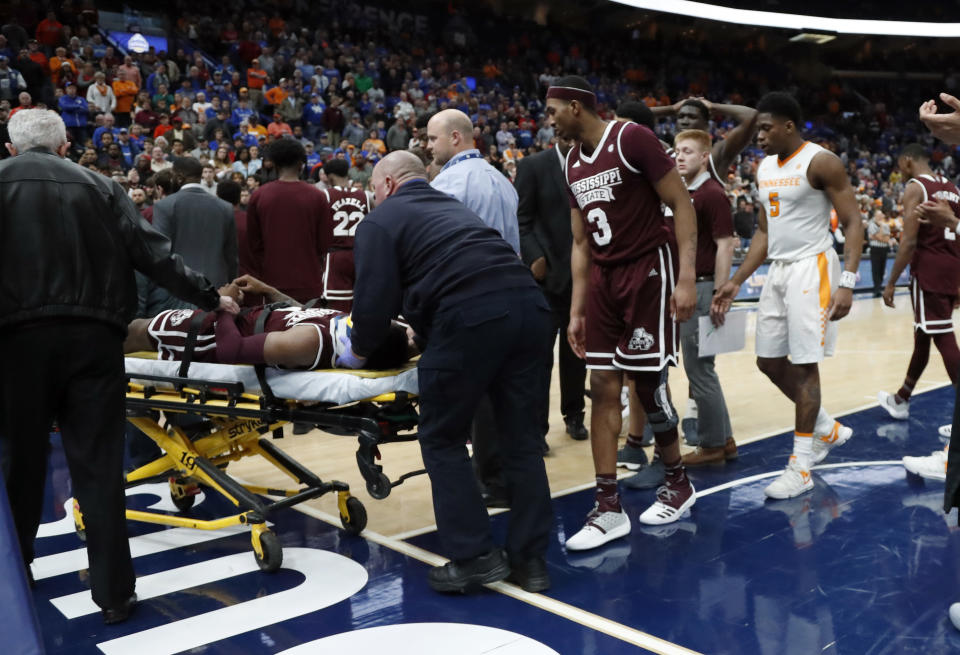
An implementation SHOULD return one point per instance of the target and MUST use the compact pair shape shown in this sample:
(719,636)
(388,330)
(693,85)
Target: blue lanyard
(462,157)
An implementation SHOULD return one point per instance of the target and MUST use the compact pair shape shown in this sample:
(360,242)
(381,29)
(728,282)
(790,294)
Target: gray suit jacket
(202,230)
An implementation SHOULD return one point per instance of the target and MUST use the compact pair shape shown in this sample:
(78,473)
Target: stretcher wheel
(379,487)
(270,556)
(183,494)
(357,521)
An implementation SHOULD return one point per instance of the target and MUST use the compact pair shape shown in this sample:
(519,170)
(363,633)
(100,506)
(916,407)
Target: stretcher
(238,409)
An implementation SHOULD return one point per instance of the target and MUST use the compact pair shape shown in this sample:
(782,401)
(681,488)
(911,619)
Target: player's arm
(249,284)
(673,193)
(937,213)
(724,260)
(912,196)
(945,127)
(726,149)
(663,111)
(580,272)
(756,255)
(827,173)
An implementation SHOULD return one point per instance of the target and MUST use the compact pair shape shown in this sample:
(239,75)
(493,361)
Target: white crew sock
(824,424)
(803,449)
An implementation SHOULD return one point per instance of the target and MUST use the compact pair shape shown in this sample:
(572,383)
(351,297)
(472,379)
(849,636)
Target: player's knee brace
(652,391)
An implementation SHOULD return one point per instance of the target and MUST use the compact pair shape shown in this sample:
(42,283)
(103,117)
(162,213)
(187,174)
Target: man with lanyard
(466,176)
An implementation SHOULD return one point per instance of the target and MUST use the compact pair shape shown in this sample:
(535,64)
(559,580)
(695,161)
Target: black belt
(705,278)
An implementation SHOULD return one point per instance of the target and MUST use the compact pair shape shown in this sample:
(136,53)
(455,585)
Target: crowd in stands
(350,85)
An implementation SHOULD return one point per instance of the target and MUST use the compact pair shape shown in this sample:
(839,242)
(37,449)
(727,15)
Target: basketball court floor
(865,564)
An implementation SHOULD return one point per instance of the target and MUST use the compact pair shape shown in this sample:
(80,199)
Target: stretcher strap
(261,369)
(195,322)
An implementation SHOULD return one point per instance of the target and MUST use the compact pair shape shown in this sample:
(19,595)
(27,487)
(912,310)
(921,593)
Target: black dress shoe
(120,613)
(577,430)
(464,574)
(530,575)
(495,498)
(299,427)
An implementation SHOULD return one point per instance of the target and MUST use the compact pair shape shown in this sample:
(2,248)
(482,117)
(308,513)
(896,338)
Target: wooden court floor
(872,354)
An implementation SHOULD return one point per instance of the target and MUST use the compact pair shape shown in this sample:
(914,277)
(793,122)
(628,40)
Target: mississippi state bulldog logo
(641,340)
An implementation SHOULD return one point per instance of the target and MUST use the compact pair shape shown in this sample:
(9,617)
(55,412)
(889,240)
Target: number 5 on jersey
(603,234)
(774,198)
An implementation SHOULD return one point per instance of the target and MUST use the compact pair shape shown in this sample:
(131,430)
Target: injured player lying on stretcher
(292,337)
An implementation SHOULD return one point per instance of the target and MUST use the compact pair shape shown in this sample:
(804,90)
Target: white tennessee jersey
(798,215)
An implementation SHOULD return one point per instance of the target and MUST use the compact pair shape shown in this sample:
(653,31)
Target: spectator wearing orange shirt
(276,25)
(278,128)
(50,31)
(132,71)
(374,145)
(256,78)
(36,54)
(256,128)
(126,92)
(278,94)
(57,63)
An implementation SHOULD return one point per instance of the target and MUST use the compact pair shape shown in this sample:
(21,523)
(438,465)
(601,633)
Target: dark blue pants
(495,344)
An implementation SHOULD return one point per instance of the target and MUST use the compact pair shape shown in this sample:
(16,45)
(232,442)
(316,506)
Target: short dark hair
(574,82)
(637,112)
(167,181)
(338,167)
(229,191)
(914,151)
(188,168)
(392,351)
(286,153)
(781,105)
(699,106)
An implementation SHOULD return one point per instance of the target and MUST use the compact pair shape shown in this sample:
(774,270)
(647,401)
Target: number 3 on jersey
(346,223)
(774,204)
(603,233)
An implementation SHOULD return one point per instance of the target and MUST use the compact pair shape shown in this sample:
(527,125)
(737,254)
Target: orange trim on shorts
(783,162)
(824,294)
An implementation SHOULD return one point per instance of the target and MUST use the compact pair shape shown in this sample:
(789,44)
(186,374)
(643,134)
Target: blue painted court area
(866,564)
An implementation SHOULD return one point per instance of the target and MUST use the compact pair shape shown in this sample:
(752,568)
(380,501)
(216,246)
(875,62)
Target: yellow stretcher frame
(242,424)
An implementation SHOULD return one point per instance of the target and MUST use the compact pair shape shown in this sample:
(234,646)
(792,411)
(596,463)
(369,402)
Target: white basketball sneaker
(945,430)
(931,467)
(899,411)
(824,443)
(791,483)
(600,528)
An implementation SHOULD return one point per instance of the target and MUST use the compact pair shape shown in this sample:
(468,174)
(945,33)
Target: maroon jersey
(171,328)
(936,261)
(289,232)
(348,207)
(714,218)
(613,189)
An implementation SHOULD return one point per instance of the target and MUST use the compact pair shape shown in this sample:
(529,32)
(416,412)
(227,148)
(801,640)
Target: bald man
(486,329)
(466,175)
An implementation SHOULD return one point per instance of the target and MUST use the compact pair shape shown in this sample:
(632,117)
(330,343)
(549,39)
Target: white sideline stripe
(625,474)
(559,608)
(771,474)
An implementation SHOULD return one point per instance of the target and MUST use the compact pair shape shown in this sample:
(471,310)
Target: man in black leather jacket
(70,240)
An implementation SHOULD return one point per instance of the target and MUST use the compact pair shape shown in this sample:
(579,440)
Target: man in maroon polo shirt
(714,256)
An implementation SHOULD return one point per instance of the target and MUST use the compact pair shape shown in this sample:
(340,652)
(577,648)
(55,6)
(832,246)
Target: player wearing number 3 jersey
(804,292)
(632,282)
(347,208)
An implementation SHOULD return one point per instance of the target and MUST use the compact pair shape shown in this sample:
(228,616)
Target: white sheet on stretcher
(338,387)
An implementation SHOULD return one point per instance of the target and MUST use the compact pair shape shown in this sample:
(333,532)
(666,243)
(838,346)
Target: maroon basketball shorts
(932,312)
(629,325)
(338,277)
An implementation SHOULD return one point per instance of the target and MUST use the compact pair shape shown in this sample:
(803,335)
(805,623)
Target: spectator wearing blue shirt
(313,157)
(128,147)
(108,126)
(156,78)
(313,117)
(11,81)
(240,114)
(74,111)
